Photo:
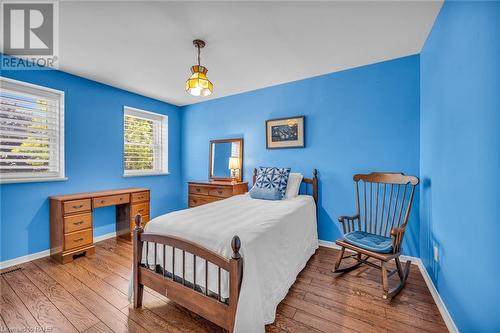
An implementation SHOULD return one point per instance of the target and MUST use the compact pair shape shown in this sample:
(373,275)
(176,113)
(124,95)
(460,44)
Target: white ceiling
(146,47)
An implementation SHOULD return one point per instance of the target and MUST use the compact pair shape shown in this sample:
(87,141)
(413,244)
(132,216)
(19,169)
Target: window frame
(163,140)
(37,90)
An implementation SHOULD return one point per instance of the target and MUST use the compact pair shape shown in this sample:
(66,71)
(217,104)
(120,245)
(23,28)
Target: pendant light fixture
(198,84)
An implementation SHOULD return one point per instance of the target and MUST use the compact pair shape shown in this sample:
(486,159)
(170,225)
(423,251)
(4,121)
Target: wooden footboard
(175,286)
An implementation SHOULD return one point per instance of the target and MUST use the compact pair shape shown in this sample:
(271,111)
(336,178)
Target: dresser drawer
(111,200)
(196,189)
(198,200)
(142,208)
(77,222)
(223,192)
(140,196)
(77,239)
(75,206)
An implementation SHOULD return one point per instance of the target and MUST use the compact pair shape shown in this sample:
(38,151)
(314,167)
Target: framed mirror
(225,160)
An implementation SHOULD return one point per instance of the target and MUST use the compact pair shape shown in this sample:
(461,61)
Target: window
(145,143)
(31,132)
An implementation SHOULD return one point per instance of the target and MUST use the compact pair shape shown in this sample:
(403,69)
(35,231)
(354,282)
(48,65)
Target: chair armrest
(397,231)
(344,218)
(397,236)
(349,226)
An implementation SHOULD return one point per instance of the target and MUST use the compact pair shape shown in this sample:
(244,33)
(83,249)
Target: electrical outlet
(436,253)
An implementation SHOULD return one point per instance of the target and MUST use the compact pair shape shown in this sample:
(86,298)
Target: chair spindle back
(383,201)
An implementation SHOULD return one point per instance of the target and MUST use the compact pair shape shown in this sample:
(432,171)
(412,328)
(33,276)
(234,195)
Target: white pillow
(293,185)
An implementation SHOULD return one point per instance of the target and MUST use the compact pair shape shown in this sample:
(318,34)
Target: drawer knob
(198,190)
(103,201)
(78,240)
(121,199)
(140,210)
(79,206)
(195,201)
(219,191)
(77,223)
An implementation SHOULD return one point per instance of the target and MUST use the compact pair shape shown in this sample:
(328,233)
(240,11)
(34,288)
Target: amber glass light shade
(198,84)
(234,163)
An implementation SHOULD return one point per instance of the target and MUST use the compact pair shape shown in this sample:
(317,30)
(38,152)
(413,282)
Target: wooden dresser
(204,192)
(71,228)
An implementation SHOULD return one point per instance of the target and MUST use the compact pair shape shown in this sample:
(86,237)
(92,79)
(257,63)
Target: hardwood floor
(90,295)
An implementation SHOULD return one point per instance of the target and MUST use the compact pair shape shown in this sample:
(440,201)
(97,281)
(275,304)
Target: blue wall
(359,120)
(93,159)
(460,161)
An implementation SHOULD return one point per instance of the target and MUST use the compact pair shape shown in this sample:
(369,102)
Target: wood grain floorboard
(107,313)
(13,311)
(58,273)
(89,295)
(92,281)
(69,306)
(332,314)
(112,257)
(290,325)
(3,325)
(42,309)
(320,323)
(100,327)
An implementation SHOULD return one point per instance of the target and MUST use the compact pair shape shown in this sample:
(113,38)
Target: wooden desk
(71,228)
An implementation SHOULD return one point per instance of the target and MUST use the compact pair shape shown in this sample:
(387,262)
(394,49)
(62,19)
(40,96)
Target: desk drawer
(77,222)
(76,206)
(77,239)
(195,189)
(142,208)
(111,200)
(198,200)
(223,192)
(140,196)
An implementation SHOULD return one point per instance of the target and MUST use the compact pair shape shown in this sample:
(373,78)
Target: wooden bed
(210,305)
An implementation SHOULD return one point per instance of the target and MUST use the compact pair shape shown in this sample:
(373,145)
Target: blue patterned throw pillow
(264,177)
(272,178)
(280,179)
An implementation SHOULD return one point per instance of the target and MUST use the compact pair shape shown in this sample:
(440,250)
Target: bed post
(315,185)
(235,276)
(138,288)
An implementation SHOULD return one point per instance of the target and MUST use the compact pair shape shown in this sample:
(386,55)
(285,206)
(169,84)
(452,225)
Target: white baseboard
(450,324)
(44,253)
(105,236)
(23,259)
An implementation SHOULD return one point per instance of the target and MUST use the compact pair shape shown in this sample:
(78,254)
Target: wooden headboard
(311,181)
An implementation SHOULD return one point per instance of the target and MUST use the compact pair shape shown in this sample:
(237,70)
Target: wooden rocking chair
(378,216)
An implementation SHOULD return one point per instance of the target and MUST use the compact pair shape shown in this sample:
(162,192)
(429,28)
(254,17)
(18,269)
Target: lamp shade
(198,84)
(234,163)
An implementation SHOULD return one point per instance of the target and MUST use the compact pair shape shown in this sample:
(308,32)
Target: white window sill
(32,180)
(141,174)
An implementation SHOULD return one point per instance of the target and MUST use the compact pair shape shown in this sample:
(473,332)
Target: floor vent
(11,271)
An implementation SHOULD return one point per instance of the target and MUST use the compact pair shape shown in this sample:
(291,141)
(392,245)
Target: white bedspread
(277,239)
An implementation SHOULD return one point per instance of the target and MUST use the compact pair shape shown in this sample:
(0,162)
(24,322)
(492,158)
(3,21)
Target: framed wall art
(285,133)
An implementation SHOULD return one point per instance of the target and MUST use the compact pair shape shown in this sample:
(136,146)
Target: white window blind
(145,143)
(235,149)
(31,132)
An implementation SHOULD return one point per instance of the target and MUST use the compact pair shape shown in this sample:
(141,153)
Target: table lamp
(234,165)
